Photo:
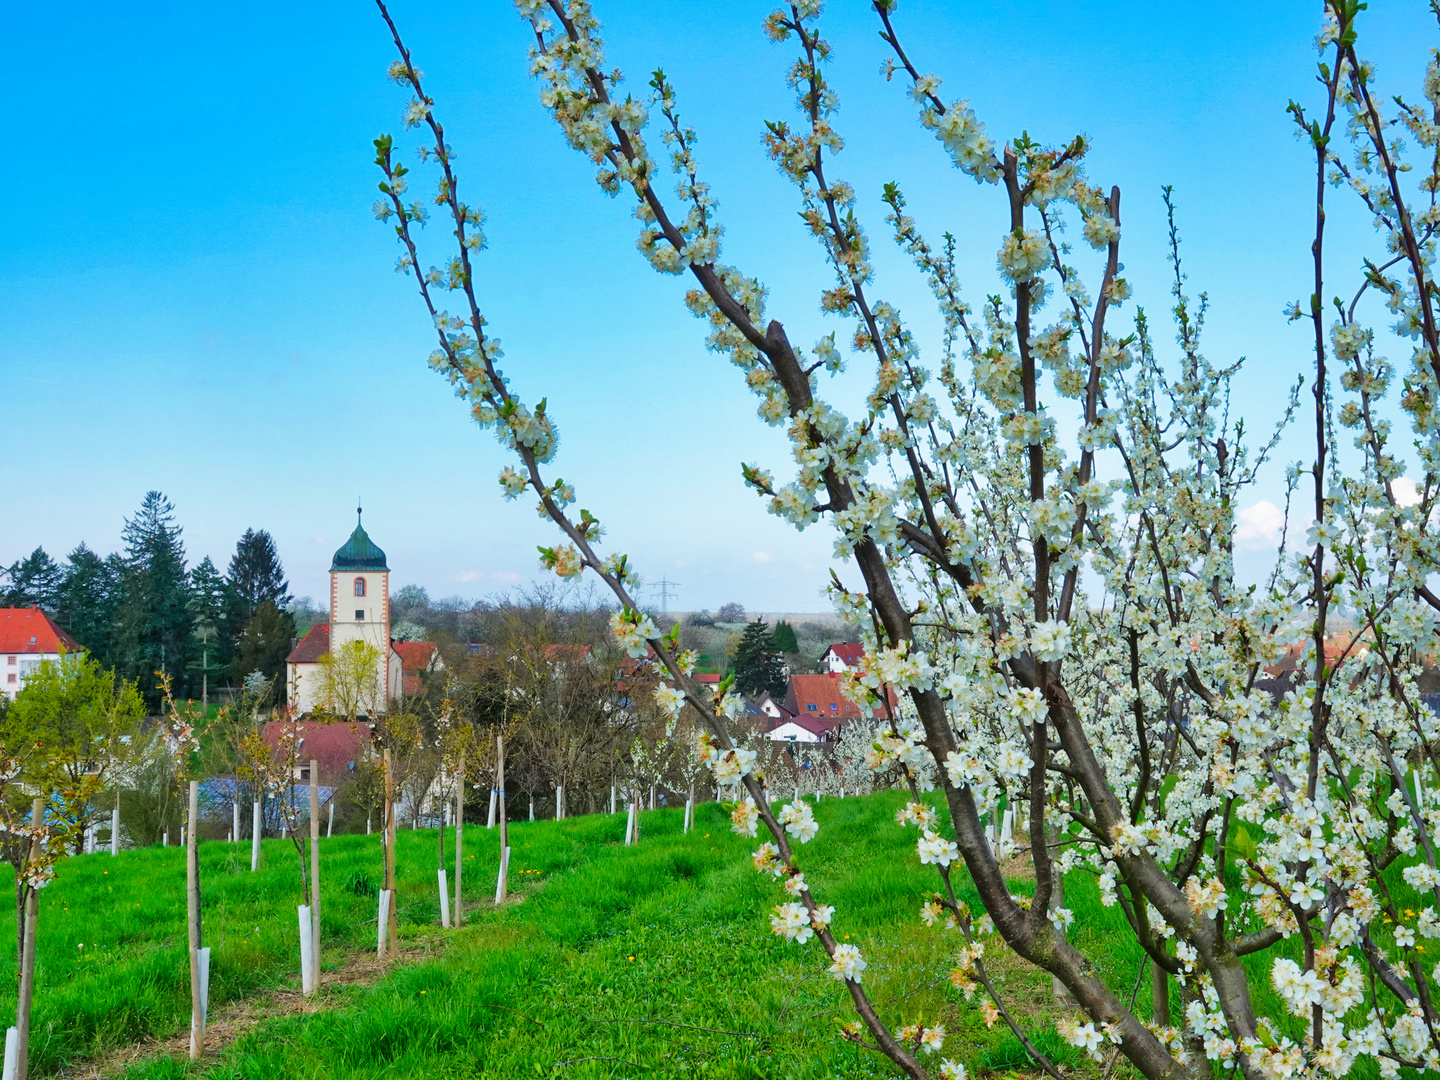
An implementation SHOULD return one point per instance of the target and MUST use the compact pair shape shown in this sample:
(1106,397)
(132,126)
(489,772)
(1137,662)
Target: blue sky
(195,297)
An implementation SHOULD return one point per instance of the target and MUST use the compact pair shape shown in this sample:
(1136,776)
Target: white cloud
(1259,525)
(1404,489)
(762,556)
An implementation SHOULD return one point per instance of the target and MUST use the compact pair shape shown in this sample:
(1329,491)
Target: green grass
(111,945)
(612,946)
(607,949)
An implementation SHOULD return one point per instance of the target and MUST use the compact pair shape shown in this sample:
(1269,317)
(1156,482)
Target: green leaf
(1243,844)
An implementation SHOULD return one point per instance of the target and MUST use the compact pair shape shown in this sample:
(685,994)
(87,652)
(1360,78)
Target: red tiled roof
(30,630)
(823,693)
(849,652)
(334,745)
(312,646)
(415,655)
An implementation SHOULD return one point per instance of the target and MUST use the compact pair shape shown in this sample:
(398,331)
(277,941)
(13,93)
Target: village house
(842,657)
(27,637)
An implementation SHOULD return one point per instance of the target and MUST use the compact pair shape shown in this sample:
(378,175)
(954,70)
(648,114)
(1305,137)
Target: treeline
(143,610)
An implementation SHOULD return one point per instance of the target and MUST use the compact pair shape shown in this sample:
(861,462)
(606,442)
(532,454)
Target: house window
(359,586)
(834,707)
(359,615)
(10,677)
(810,707)
(12,661)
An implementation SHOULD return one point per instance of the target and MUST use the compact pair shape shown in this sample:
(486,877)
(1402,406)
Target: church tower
(360,602)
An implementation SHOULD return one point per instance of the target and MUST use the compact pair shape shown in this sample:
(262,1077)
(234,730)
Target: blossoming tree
(1060,615)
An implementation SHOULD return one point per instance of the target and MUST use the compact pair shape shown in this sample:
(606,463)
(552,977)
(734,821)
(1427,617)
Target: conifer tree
(212,599)
(255,576)
(85,601)
(758,666)
(33,581)
(785,639)
(264,644)
(153,624)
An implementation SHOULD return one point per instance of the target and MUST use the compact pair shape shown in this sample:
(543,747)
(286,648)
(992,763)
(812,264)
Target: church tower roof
(359,552)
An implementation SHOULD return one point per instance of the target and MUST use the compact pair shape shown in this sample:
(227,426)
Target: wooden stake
(501,890)
(192,906)
(459,913)
(27,956)
(314,875)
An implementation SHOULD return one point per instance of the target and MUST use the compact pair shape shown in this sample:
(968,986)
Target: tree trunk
(1159,995)
(27,951)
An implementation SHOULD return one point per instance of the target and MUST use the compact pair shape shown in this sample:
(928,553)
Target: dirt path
(236,1019)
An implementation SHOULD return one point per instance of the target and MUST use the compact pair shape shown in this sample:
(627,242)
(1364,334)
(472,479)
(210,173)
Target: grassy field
(652,961)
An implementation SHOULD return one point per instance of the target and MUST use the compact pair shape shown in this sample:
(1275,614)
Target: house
(416,658)
(843,656)
(770,707)
(336,748)
(28,636)
(815,709)
(359,611)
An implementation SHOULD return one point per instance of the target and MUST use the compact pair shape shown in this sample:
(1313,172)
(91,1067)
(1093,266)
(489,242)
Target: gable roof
(811,722)
(359,552)
(312,646)
(334,745)
(819,695)
(849,652)
(30,630)
(416,655)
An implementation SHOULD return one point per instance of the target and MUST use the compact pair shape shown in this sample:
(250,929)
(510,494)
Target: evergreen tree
(758,665)
(256,576)
(33,581)
(211,602)
(785,639)
(85,605)
(264,644)
(153,620)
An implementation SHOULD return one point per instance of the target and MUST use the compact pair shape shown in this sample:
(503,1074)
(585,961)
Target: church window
(359,586)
